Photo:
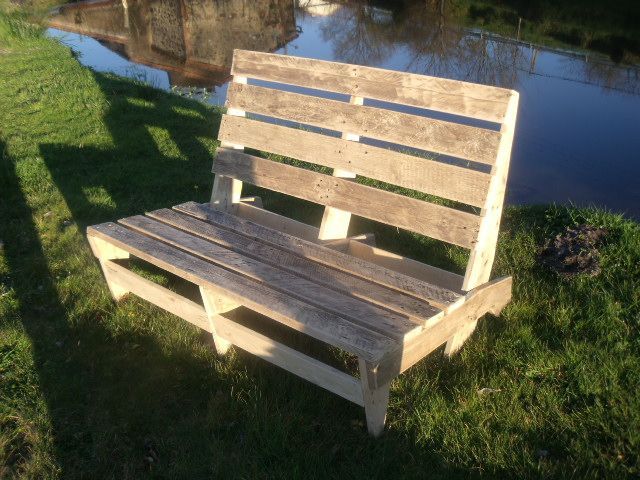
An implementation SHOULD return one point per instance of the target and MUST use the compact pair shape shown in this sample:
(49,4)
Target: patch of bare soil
(574,251)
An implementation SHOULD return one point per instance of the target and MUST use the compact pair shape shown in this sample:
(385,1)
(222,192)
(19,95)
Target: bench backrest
(477,178)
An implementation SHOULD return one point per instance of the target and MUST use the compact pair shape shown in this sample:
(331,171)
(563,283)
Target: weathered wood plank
(436,221)
(277,222)
(304,267)
(440,94)
(357,311)
(470,143)
(291,360)
(488,298)
(313,321)
(428,176)
(434,294)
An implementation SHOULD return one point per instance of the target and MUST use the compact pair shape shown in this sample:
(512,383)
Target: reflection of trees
(434,43)
(365,35)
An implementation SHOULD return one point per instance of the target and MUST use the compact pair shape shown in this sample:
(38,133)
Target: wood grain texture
(436,221)
(289,311)
(469,143)
(291,360)
(306,268)
(488,298)
(434,294)
(408,171)
(483,252)
(440,94)
(357,311)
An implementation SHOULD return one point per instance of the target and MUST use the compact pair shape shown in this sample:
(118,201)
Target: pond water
(578,132)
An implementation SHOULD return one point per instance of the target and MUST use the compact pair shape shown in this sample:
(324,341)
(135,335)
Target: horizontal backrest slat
(436,221)
(428,176)
(450,96)
(448,138)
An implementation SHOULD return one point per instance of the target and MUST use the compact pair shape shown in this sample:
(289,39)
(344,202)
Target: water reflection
(578,133)
(193,40)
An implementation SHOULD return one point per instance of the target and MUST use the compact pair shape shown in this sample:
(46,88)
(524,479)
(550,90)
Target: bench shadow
(130,395)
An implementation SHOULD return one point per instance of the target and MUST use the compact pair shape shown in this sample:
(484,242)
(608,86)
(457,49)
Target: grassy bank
(86,386)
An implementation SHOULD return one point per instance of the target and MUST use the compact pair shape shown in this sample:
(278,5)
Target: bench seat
(387,310)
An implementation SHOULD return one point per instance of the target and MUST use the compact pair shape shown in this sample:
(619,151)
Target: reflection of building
(193,40)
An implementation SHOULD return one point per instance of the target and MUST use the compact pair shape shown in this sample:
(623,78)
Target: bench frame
(452,326)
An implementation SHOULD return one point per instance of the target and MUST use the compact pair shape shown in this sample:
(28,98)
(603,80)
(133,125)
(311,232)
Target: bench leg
(214,305)
(105,251)
(376,402)
(455,343)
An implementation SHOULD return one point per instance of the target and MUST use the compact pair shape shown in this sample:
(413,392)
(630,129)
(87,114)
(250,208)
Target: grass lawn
(87,385)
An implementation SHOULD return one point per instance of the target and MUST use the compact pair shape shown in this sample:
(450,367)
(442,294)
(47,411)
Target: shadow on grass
(114,389)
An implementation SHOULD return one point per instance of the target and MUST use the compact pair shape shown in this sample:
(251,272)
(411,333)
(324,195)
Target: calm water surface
(578,133)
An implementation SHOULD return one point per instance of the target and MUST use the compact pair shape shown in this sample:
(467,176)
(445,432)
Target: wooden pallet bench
(387,310)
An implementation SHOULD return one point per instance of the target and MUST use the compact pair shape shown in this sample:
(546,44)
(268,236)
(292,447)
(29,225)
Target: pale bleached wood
(440,94)
(289,311)
(406,266)
(376,401)
(439,222)
(226,192)
(335,222)
(277,222)
(358,311)
(291,360)
(216,303)
(105,251)
(306,268)
(429,176)
(490,297)
(434,294)
(470,143)
(484,250)
(158,295)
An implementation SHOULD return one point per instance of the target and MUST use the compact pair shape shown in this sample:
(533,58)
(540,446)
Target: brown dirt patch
(574,251)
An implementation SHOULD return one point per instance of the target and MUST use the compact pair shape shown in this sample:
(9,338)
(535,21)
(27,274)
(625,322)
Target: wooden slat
(428,176)
(434,294)
(483,252)
(301,316)
(399,263)
(295,362)
(158,295)
(470,143)
(358,311)
(440,94)
(436,221)
(277,222)
(304,267)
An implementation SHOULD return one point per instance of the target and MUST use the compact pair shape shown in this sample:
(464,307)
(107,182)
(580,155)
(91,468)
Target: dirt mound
(574,251)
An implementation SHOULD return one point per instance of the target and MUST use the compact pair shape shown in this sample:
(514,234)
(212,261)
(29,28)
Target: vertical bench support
(376,401)
(214,305)
(226,190)
(335,222)
(104,252)
(483,252)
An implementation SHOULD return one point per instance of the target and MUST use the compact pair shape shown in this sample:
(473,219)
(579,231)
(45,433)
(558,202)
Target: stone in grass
(574,251)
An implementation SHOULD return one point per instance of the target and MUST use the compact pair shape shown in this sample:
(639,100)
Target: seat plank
(357,311)
(440,94)
(436,221)
(304,267)
(318,323)
(434,294)
(408,171)
(448,138)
